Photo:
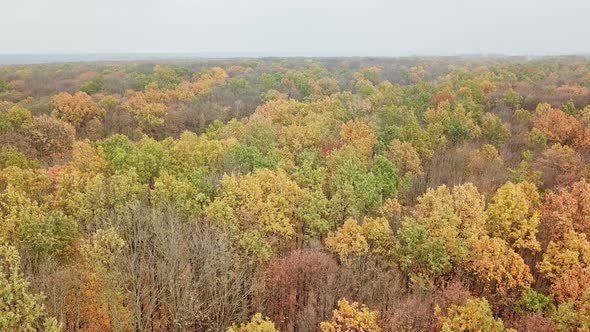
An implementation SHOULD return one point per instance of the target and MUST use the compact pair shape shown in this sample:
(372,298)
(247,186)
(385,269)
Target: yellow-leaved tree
(359,135)
(573,251)
(514,215)
(497,265)
(474,315)
(256,324)
(352,240)
(348,241)
(19,309)
(352,317)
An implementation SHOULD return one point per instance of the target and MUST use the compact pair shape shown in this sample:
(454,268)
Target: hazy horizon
(39,58)
(302,28)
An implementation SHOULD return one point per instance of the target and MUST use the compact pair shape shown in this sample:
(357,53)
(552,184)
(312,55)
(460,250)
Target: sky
(296,27)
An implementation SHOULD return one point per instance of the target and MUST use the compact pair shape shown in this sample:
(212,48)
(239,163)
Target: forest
(296,194)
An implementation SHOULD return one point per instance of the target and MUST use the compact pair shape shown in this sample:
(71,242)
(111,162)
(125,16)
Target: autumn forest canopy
(296,194)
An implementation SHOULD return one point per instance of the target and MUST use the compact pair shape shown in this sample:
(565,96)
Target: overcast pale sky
(304,27)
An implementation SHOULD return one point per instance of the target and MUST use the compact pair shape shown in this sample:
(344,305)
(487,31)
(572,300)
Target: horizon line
(48,58)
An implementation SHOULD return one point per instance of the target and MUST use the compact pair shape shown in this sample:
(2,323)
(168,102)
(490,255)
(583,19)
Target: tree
(422,256)
(248,158)
(353,188)
(11,156)
(558,126)
(359,135)
(50,236)
(310,171)
(193,152)
(51,137)
(566,318)
(560,165)
(266,202)
(573,251)
(454,124)
(494,130)
(313,278)
(19,309)
(487,169)
(149,107)
(570,287)
(34,184)
(445,223)
(474,315)
(109,103)
(513,99)
(313,214)
(534,302)
(525,171)
(523,116)
(89,159)
(23,143)
(166,78)
(20,119)
(513,215)
(498,267)
(180,195)
(326,86)
(92,86)
(567,209)
(537,138)
(405,157)
(351,240)
(257,324)
(543,108)
(453,216)
(403,124)
(348,241)
(369,73)
(77,109)
(4,86)
(17,210)
(469,205)
(386,176)
(186,91)
(379,237)
(103,304)
(352,317)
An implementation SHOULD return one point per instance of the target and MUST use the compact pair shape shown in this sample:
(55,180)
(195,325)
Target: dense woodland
(271,194)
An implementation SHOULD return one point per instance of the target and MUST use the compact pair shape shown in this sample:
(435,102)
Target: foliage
(498,266)
(533,301)
(513,215)
(474,315)
(180,195)
(494,130)
(360,136)
(558,126)
(77,109)
(256,324)
(568,209)
(571,252)
(92,86)
(421,256)
(192,194)
(354,188)
(50,236)
(51,137)
(351,317)
(347,241)
(20,310)
(405,157)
